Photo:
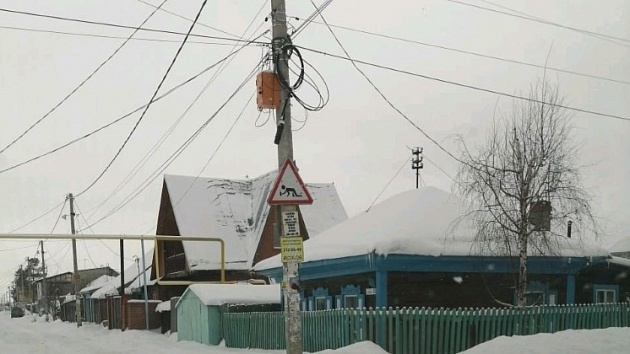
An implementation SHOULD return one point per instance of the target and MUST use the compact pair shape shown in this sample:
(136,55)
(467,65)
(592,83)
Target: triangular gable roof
(236,211)
(417,222)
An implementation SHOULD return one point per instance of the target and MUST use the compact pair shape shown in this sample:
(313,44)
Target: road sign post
(289,191)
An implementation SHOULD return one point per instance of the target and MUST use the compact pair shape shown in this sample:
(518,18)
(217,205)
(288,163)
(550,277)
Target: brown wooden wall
(266,247)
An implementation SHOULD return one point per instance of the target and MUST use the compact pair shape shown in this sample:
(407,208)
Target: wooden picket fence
(417,330)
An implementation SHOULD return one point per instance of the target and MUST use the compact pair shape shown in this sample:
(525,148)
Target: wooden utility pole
(75,276)
(284,139)
(416,162)
(123,324)
(21,284)
(44,284)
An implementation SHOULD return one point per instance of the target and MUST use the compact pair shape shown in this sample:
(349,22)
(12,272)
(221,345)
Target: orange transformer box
(268,88)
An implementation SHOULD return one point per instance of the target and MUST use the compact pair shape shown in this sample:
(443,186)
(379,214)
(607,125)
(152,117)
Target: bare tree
(524,183)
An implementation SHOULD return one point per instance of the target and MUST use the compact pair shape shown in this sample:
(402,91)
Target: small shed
(199,308)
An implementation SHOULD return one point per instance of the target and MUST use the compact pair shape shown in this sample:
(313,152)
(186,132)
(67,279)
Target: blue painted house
(409,251)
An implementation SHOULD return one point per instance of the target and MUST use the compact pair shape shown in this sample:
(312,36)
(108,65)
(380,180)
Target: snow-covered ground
(609,341)
(28,335)
(34,336)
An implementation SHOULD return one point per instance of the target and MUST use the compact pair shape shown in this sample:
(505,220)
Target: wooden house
(235,211)
(415,250)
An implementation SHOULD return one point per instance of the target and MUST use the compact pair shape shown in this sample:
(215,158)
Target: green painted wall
(197,322)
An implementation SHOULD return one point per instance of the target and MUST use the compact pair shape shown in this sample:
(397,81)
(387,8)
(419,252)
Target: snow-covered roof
(236,294)
(417,222)
(97,283)
(621,244)
(620,261)
(163,306)
(68,298)
(236,211)
(131,277)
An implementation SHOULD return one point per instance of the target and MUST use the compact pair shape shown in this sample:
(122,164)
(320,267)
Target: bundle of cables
(285,51)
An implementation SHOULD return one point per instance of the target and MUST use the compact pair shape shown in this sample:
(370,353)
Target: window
(320,303)
(350,301)
(535,298)
(605,294)
(350,297)
(320,300)
(553,298)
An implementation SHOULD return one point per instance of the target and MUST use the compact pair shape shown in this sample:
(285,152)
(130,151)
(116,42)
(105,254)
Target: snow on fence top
(235,294)
(426,221)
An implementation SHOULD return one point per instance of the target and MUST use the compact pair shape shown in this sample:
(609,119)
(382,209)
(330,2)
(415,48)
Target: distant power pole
(416,162)
(75,276)
(21,283)
(44,290)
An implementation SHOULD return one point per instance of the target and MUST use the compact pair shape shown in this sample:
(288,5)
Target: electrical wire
(475,54)
(163,138)
(94,35)
(59,248)
(157,90)
(47,114)
(215,150)
(190,20)
(439,168)
(53,259)
(403,115)
(174,155)
(18,248)
(535,19)
(85,245)
(85,136)
(88,254)
(89,227)
(114,25)
(283,51)
(476,88)
(58,216)
(310,18)
(388,183)
(37,218)
(258,118)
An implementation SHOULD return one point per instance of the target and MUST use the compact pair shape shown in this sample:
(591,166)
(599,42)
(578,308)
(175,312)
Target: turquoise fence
(417,330)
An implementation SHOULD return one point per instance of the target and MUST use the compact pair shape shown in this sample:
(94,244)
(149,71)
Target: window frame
(605,288)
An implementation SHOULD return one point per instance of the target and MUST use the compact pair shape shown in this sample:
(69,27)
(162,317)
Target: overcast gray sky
(357,141)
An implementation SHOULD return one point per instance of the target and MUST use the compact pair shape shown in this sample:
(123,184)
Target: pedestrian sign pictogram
(289,188)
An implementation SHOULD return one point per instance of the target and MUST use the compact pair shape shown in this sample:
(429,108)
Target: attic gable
(237,212)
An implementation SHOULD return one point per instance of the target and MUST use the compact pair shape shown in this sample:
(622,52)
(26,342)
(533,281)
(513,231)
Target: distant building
(60,285)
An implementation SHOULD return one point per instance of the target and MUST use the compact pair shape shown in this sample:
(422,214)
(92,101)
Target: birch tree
(528,161)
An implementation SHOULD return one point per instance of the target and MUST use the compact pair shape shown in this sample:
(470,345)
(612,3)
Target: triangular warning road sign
(289,188)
